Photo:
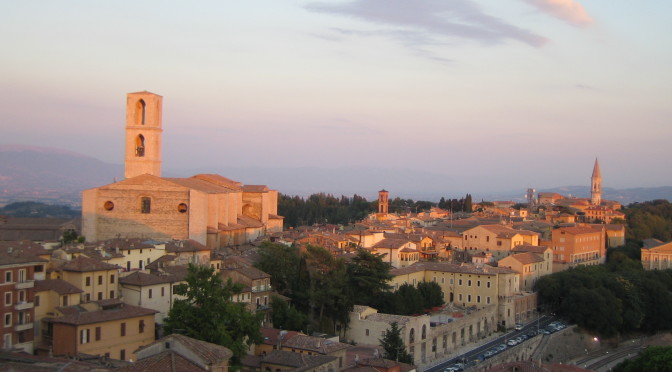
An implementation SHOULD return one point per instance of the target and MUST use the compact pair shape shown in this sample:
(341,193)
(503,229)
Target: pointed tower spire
(596,170)
(596,185)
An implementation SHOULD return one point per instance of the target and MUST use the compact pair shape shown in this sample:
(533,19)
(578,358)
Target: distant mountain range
(58,177)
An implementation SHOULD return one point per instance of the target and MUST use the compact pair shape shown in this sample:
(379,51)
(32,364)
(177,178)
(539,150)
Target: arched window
(140,112)
(140,145)
(411,336)
(424,331)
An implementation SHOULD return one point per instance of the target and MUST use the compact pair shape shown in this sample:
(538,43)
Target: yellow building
(108,327)
(656,255)
(497,239)
(49,295)
(98,280)
(208,208)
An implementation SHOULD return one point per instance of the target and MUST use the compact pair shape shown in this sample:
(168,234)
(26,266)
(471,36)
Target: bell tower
(596,185)
(143,134)
(383,201)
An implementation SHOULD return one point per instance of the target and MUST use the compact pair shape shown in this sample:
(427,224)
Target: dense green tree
(619,297)
(281,263)
(393,345)
(208,314)
(653,359)
(323,208)
(431,294)
(287,317)
(368,276)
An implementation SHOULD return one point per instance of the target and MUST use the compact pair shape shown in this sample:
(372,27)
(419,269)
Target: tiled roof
(21,252)
(299,362)
(255,188)
(529,248)
(59,286)
(78,315)
(250,272)
(141,279)
(200,185)
(576,230)
(178,271)
(220,180)
(162,362)
(527,258)
(271,335)
(391,243)
(127,244)
(315,344)
(210,353)
(188,245)
(85,264)
(651,243)
(451,268)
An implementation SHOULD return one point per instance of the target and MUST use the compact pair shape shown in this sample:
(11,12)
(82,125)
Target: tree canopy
(611,299)
(323,286)
(653,359)
(208,314)
(393,345)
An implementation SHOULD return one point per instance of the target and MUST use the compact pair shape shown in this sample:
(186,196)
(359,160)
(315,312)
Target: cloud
(567,10)
(429,22)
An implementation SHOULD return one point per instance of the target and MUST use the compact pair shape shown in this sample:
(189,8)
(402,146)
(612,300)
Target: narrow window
(141,326)
(123,330)
(146,205)
(150,293)
(112,279)
(98,332)
(88,281)
(100,280)
(141,106)
(37,301)
(122,354)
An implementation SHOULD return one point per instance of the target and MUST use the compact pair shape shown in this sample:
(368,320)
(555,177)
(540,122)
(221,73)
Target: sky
(493,94)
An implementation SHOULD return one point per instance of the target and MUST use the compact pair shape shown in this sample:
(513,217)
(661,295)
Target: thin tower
(143,134)
(596,185)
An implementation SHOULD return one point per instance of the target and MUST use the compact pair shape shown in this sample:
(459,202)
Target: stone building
(208,208)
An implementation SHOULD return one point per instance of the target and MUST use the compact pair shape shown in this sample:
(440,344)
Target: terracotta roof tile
(86,264)
(78,315)
(162,362)
(59,286)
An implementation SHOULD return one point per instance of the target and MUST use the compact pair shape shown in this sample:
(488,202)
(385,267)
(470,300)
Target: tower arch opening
(140,145)
(140,112)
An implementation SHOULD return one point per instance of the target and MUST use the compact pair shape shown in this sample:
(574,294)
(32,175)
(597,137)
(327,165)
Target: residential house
(152,291)
(398,252)
(498,239)
(108,327)
(17,281)
(98,280)
(49,295)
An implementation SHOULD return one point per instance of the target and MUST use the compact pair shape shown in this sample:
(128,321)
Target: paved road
(476,352)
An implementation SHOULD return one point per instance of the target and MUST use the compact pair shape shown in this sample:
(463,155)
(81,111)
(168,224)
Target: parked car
(518,327)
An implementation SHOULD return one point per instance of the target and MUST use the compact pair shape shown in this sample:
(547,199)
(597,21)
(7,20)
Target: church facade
(208,208)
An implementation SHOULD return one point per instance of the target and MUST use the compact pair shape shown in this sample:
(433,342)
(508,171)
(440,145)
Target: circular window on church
(108,205)
(182,208)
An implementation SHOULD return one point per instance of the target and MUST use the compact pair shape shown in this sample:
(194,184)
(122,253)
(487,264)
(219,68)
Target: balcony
(23,327)
(24,305)
(261,288)
(25,284)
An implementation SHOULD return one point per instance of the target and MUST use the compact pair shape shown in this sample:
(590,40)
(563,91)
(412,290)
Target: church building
(208,208)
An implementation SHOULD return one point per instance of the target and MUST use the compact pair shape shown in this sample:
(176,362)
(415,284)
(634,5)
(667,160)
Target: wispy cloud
(427,22)
(567,10)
